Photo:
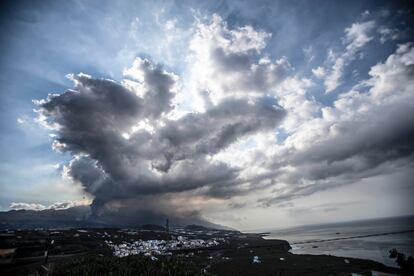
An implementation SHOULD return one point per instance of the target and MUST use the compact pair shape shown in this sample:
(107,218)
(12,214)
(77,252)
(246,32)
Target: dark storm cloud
(296,191)
(158,85)
(236,205)
(218,127)
(389,136)
(171,156)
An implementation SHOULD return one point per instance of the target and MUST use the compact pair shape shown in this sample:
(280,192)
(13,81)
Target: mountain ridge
(82,217)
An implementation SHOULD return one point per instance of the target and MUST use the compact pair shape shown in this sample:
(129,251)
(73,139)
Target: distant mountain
(82,217)
(152,227)
(29,219)
(210,226)
(194,227)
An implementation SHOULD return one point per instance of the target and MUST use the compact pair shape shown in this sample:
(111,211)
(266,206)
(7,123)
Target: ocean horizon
(369,239)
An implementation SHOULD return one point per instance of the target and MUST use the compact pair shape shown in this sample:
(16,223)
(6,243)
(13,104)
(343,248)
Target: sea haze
(316,239)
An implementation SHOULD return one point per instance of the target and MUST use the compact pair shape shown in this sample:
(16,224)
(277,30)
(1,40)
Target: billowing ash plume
(129,153)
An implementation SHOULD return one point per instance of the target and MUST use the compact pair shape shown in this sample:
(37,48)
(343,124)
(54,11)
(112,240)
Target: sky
(250,114)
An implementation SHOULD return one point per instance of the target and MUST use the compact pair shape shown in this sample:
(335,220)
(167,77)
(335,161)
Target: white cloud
(164,39)
(356,37)
(364,134)
(26,206)
(223,63)
(388,34)
(64,205)
(21,121)
(319,72)
(40,207)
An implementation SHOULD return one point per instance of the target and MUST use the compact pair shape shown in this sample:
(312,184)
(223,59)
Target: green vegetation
(131,265)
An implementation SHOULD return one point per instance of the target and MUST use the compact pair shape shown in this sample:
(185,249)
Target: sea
(365,239)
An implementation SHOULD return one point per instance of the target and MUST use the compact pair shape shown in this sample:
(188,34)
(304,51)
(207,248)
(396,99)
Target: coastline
(364,239)
(276,259)
(237,253)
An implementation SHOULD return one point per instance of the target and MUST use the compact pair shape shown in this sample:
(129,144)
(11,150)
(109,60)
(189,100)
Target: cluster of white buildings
(256,260)
(159,247)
